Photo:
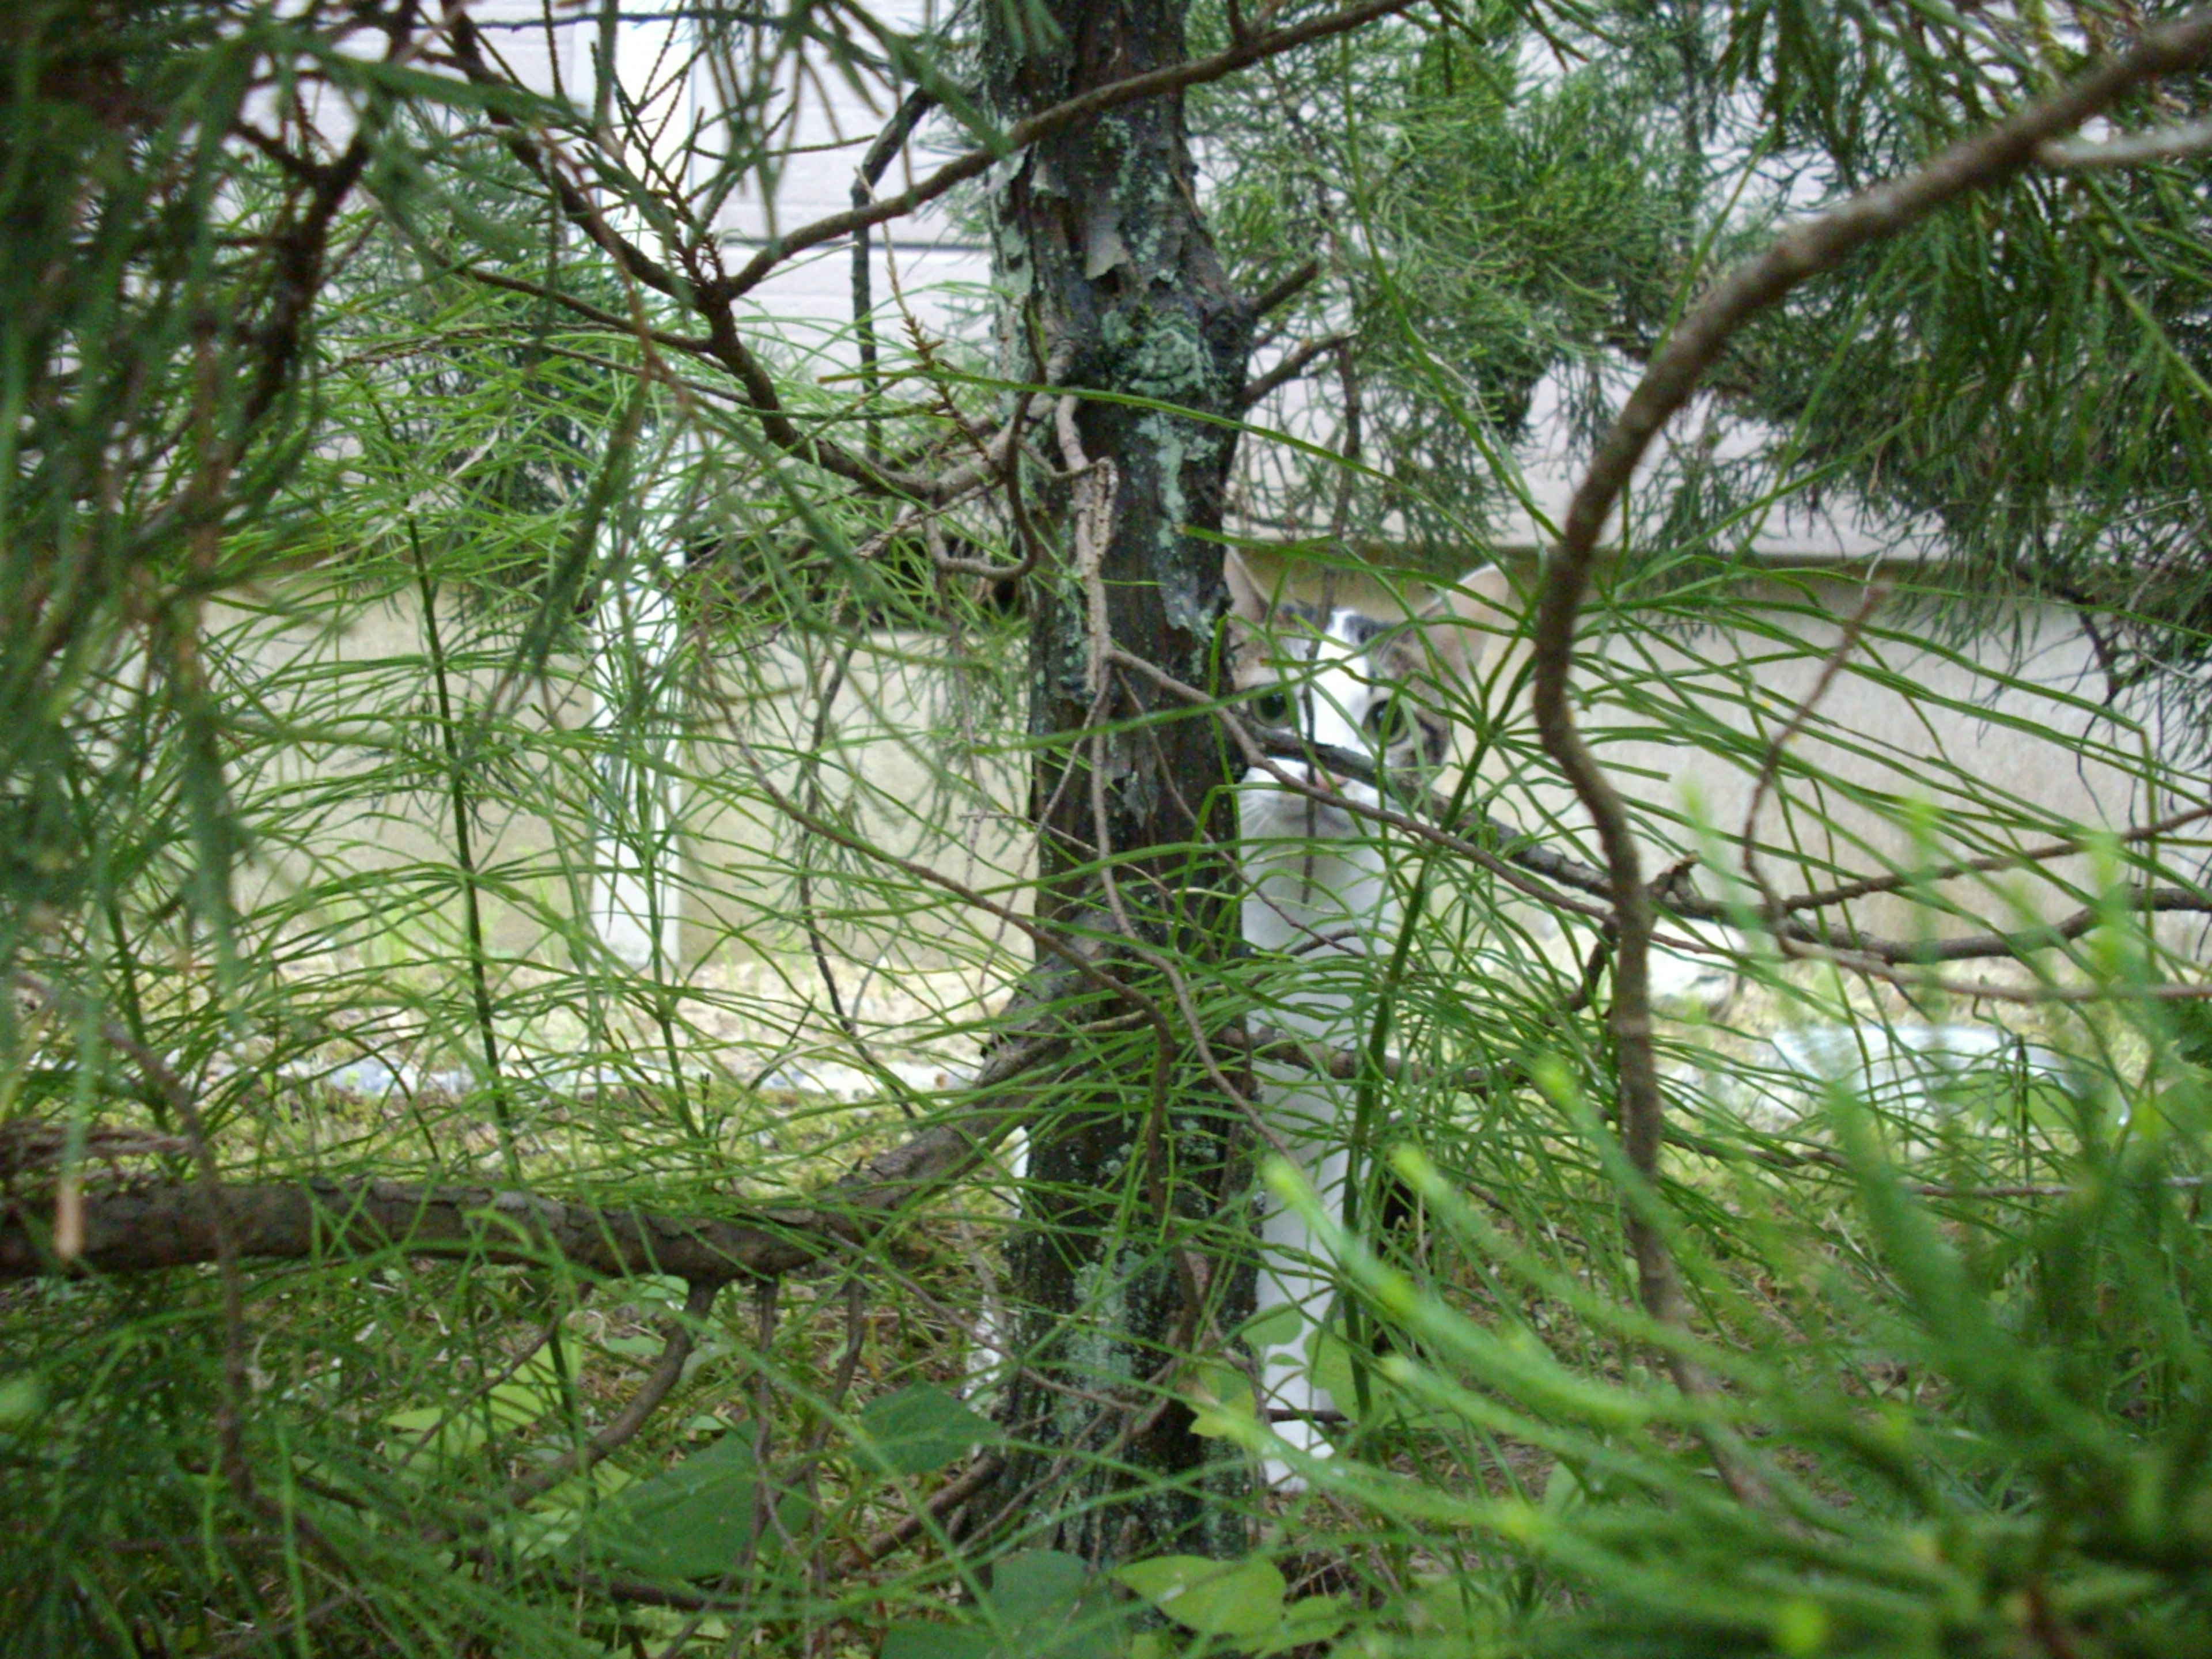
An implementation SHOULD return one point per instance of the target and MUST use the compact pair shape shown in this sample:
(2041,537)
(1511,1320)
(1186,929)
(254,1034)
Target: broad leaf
(937,1641)
(1220,1400)
(1271,1329)
(1307,1621)
(692,1521)
(919,1429)
(1050,1607)
(1235,1598)
(430,1435)
(1042,1605)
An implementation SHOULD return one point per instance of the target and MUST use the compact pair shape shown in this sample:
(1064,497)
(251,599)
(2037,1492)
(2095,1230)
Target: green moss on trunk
(1113,281)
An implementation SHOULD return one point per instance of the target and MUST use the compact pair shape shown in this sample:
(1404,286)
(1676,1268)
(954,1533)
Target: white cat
(1318,899)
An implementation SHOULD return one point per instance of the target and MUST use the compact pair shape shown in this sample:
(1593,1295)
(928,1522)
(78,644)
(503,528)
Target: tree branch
(2174,143)
(170,1225)
(710,298)
(697,1304)
(908,115)
(1280,293)
(1850,891)
(1803,252)
(1240,54)
(1437,825)
(1294,363)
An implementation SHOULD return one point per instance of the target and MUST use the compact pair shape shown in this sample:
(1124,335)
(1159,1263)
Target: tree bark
(1112,285)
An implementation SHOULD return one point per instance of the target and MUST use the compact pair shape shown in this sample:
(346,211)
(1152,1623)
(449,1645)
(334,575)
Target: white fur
(1316,892)
(1316,889)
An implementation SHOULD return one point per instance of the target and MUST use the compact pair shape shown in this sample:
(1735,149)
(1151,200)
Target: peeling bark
(1113,285)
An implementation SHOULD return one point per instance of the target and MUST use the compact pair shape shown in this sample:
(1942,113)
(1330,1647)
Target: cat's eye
(1273,706)
(1391,722)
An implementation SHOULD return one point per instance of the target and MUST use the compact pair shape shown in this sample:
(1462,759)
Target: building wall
(1915,743)
(1927,737)
(900,726)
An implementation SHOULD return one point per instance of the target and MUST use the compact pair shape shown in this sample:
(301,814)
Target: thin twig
(2186,139)
(2062,847)
(698,1303)
(1519,854)
(1283,291)
(892,139)
(1294,363)
(1770,766)
(938,1505)
(1803,252)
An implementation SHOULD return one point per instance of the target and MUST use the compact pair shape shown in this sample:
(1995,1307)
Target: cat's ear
(1248,603)
(1459,623)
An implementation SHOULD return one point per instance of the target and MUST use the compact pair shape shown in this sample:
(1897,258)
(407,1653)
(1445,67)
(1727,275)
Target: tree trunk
(1111,284)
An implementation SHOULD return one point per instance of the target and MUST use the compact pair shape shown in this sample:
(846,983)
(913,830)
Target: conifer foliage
(557,830)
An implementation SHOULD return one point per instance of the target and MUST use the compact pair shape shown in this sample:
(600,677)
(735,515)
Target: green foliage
(391,576)
(1952,1454)
(920,1429)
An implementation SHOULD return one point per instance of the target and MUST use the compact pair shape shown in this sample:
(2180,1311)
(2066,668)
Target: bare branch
(2172,143)
(1294,363)
(1803,252)
(1282,292)
(1172,78)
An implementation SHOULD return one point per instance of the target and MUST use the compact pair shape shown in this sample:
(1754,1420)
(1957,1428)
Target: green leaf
(1332,1368)
(692,1521)
(1450,1607)
(1220,1399)
(919,1429)
(602,1480)
(1235,1598)
(1308,1620)
(1042,1604)
(22,1397)
(450,1435)
(937,1641)
(532,1393)
(1273,1328)
(1050,1607)
(1037,1583)
(518,1405)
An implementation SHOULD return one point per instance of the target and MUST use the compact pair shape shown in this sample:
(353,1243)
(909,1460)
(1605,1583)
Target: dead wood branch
(144,1229)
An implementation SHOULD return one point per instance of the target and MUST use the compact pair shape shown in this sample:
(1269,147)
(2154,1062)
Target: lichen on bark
(1111,283)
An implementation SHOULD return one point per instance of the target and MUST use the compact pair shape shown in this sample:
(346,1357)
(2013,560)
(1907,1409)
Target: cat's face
(1346,680)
